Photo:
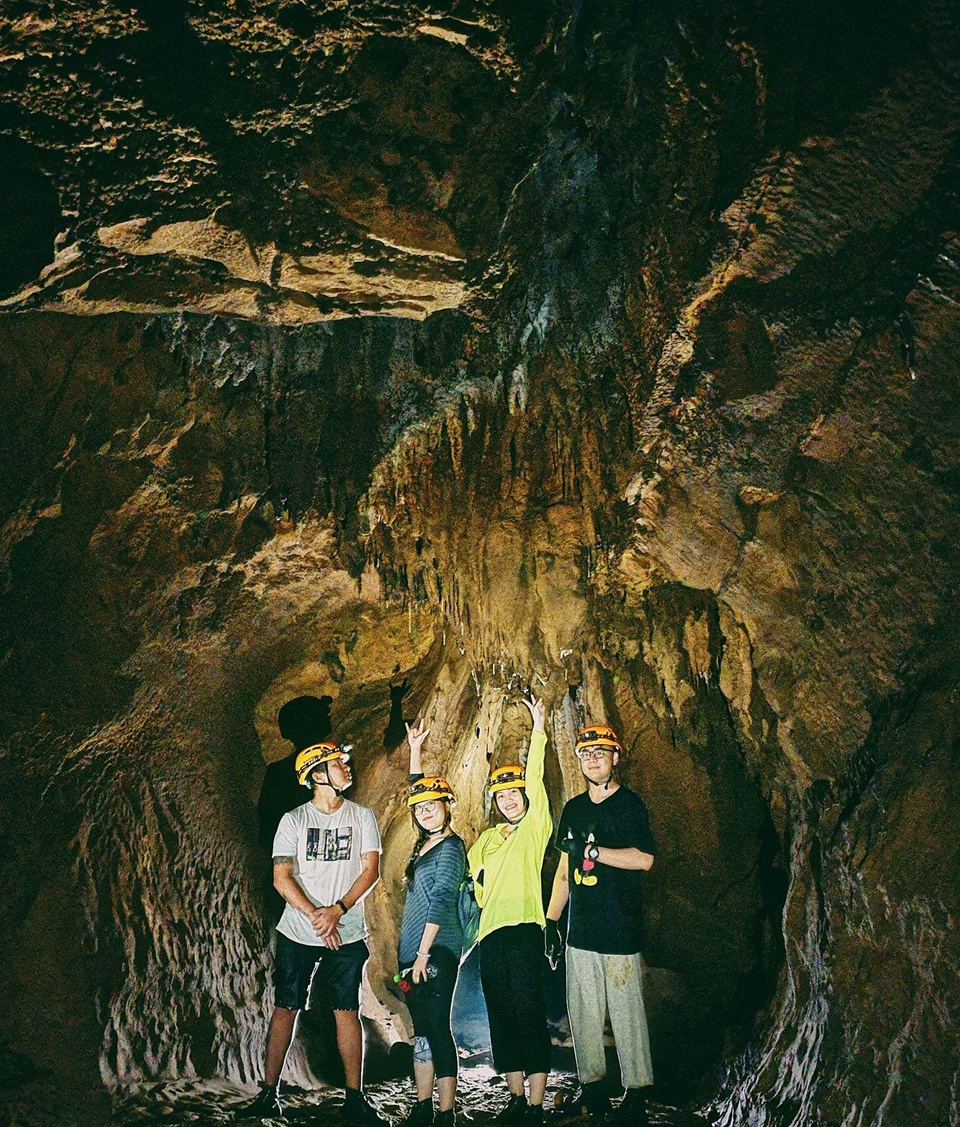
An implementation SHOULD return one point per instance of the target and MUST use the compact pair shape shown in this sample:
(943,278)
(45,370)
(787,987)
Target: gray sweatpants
(600,984)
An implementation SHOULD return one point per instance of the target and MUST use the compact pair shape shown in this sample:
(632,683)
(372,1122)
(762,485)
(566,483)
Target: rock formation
(604,349)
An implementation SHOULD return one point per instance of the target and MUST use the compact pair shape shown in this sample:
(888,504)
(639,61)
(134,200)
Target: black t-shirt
(606,904)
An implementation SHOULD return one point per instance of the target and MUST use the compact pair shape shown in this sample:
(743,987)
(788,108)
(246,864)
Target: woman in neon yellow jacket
(505,863)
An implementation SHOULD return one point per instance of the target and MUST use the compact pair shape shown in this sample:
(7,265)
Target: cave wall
(610,351)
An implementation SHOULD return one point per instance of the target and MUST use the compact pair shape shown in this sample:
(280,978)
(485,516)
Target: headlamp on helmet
(315,756)
(597,735)
(429,789)
(505,778)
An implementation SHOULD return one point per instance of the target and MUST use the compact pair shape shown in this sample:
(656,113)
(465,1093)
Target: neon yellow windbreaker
(511,892)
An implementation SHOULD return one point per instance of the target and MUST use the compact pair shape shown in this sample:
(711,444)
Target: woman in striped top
(431,939)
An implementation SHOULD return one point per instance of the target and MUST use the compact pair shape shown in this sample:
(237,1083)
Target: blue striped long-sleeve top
(433,897)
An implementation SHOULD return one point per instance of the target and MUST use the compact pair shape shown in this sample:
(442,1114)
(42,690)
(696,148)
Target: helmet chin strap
(327,783)
(606,782)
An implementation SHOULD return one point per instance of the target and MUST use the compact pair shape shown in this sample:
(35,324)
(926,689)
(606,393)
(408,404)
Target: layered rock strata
(609,352)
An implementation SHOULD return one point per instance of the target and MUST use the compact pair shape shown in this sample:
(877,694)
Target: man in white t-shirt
(326,858)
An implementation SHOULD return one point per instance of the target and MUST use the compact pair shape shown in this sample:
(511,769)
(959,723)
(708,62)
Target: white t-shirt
(329,852)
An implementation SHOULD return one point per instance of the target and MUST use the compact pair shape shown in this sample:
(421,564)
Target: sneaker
(421,1115)
(265,1105)
(592,1103)
(357,1109)
(632,1111)
(514,1114)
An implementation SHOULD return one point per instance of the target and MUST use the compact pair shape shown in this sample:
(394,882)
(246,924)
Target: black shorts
(337,974)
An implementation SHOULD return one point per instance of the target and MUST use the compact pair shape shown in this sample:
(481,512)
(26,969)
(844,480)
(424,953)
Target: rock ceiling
(610,349)
(286,162)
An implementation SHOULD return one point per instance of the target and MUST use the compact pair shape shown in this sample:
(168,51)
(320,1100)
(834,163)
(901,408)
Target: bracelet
(423,954)
(340,904)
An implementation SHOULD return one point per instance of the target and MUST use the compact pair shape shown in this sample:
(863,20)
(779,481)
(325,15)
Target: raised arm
(416,734)
(537,710)
(536,791)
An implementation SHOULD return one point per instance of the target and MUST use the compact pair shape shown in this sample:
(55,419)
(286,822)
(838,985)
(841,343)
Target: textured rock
(658,416)
(276,161)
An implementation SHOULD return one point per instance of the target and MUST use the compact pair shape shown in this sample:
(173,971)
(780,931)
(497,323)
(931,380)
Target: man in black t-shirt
(604,836)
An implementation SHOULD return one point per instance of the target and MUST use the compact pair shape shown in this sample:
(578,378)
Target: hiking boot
(357,1109)
(514,1114)
(632,1111)
(265,1105)
(534,1116)
(446,1118)
(420,1115)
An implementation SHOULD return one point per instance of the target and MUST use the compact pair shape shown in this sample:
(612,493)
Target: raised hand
(416,734)
(537,711)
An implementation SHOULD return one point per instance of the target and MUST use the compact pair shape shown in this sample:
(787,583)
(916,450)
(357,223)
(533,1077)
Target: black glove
(552,943)
(573,844)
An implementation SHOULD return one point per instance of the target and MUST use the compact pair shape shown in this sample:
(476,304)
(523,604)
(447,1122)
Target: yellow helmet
(313,756)
(504,778)
(430,788)
(598,735)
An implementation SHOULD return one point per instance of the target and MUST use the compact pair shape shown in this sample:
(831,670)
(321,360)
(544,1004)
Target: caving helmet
(504,778)
(429,789)
(315,756)
(598,735)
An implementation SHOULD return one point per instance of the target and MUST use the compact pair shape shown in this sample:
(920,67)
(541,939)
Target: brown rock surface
(605,350)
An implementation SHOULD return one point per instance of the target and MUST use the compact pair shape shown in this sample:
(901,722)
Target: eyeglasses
(594,752)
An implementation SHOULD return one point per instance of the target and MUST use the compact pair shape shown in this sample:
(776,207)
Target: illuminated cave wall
(612,351)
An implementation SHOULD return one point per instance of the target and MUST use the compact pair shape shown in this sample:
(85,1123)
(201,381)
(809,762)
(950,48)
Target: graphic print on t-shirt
(606,903)
(584,872)
(335,845)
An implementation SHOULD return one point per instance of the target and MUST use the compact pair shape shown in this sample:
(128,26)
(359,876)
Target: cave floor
(481,1094)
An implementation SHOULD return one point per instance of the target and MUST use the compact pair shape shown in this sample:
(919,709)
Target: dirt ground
(481,1094)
